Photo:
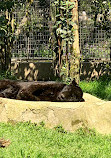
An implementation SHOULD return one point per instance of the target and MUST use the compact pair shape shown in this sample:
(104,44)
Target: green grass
(100,88)
(7,75)
(32,141)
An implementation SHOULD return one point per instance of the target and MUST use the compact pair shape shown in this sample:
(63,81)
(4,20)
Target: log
(41,91)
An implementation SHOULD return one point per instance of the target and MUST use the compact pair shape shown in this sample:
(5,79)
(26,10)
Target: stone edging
(93,113)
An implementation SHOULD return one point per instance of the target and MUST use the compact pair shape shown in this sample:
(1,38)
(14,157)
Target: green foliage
(6,4)
(84,132)
(65,73)
(96,7)
(7,75)
(42,123)
(64,24)
(6,32)
(64,30)
(5,26)
(33,141)
(43,52)
(60,129)
(102,7)
(100,88)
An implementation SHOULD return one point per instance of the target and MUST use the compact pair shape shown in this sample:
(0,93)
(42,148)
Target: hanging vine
(8,30)
(7,26)
(63,29)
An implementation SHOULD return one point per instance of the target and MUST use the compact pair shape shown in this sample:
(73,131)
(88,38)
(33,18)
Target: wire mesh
(33,41)
(95,40)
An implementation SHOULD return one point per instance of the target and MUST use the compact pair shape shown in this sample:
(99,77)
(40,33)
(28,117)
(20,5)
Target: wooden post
(74,67)
(9,43)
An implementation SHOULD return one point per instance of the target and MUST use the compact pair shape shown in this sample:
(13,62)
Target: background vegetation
(100,88)
(64,21)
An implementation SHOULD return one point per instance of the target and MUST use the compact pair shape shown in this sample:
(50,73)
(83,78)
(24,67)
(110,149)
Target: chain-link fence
(94,32)
(33,40)
(33,31)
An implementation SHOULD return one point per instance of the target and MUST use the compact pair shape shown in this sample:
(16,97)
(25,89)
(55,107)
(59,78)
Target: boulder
(93,113)
(4,143)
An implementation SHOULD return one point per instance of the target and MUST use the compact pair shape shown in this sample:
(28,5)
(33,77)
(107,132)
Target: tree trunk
(75,62)
(9,42)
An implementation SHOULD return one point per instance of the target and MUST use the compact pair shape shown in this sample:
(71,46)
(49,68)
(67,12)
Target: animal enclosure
(34,40)
(31,33)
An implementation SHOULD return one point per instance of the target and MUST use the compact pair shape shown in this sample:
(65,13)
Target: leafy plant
(100,88)
(64,24)
(42,123)
(65,73)
(7,30)
(7,75)
(43,52)
(84,132)
(60,129)
(101,7)
(63,28)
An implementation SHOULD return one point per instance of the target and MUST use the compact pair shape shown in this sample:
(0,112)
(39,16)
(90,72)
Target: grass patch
(32,141)
(100,88)
(7,75)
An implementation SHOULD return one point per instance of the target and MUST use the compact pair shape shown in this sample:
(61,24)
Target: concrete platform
(93,113)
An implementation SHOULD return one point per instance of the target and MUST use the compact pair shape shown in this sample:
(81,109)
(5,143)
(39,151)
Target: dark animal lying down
(41,91)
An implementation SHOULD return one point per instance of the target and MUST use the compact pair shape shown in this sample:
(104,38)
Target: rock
(41,91)
(4,143)
(93,113)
